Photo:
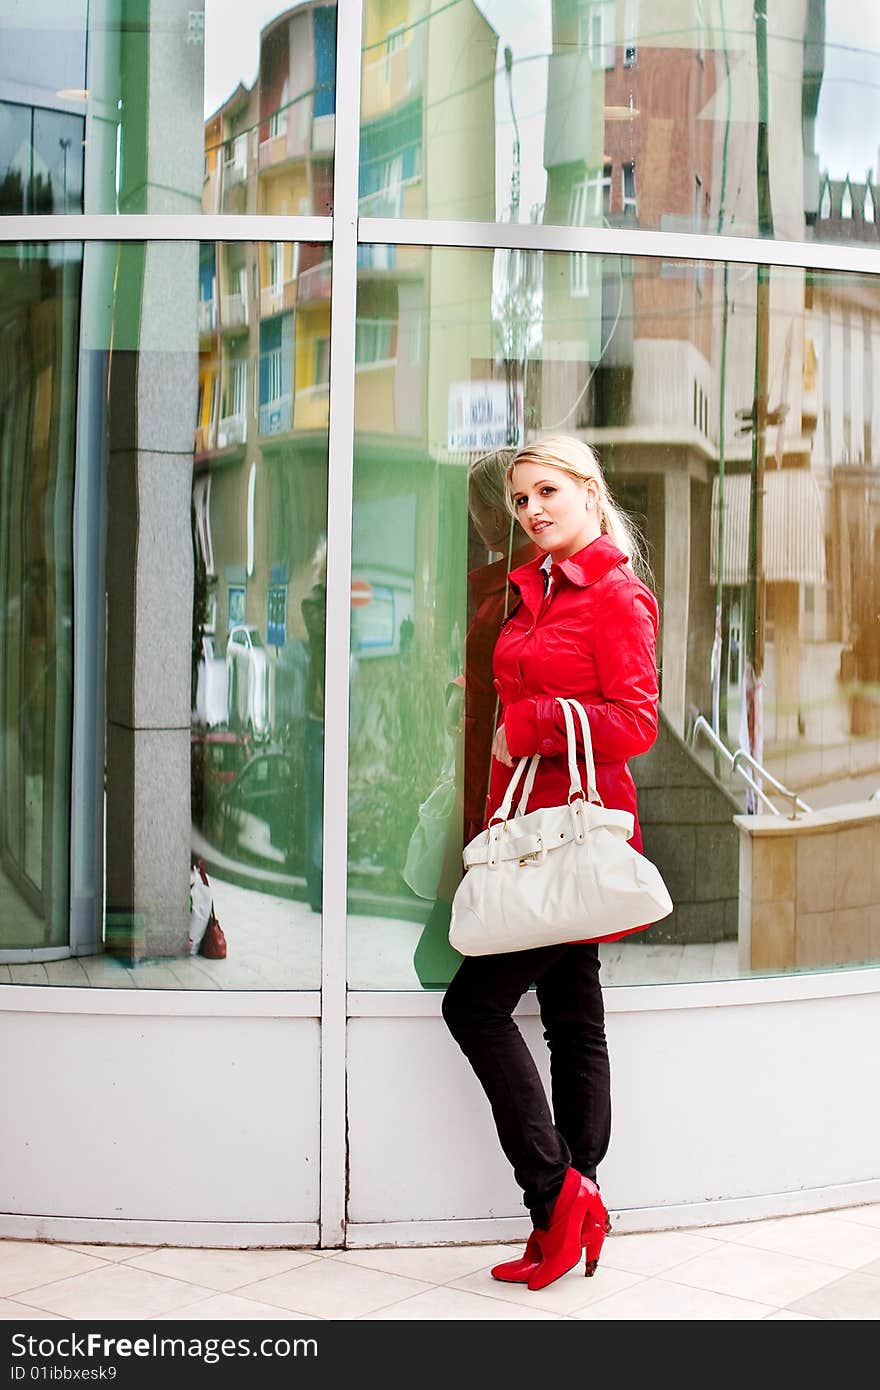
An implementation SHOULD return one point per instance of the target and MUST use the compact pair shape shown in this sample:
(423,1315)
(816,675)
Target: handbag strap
(529,766)
(576,785)
(504,809)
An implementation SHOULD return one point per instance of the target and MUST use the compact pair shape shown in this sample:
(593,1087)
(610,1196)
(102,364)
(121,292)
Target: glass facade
(129,106)
(736,117)
(767,628)
(171,431)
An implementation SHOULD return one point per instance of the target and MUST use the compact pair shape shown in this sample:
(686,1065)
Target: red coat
(594,639)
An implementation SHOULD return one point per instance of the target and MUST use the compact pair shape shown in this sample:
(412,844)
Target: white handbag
(555,874)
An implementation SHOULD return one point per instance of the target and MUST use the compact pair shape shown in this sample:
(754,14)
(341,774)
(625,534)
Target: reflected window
(39,316)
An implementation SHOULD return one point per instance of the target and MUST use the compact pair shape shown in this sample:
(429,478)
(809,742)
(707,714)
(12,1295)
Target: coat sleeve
(623,721)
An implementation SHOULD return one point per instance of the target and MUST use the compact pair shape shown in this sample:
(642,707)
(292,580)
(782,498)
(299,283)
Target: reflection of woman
(493,523)
(434,959)
(314,611)
(583,625)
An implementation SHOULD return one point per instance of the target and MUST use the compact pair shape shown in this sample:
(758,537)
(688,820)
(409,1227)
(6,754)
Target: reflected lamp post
(64,142)
(515,171)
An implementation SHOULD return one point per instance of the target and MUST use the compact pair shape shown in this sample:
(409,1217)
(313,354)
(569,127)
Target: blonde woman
(581,624)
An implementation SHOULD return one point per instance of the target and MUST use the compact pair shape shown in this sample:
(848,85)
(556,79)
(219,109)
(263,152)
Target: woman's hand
(500,749)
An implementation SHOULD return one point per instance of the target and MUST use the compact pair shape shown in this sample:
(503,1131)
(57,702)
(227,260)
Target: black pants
(478,1008)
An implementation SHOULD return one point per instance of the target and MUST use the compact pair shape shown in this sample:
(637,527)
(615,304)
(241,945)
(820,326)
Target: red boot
(520,1271)
(578,1219)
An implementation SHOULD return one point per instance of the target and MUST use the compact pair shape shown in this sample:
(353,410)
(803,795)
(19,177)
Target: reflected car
(260,814)
(210,710)
(247,680)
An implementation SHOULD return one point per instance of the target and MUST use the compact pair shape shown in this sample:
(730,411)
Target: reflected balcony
(403,199)
(207,317)
(211,190)
(233,311)
(323,134)
(313,406)
(276,416)
(393,77)
(277,297)
(273,151)
(231,431)
(313,285)
(376,257)
(206,438)
(234,194)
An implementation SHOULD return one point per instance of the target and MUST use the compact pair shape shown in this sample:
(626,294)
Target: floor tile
(664,1301)
(25,1264)
(865,1216)
(855,1297)
(821,1237)
(455,1305)
(17,1312)
(653,1252)
(230,1306)
(762,1275)
(786,1315)
(567,1295)
(332,1289)
(221,1269)
(435,1264)
(114,1291)
(115,1253)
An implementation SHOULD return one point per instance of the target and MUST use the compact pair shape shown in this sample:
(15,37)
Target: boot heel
(593,1243)
(597,1225)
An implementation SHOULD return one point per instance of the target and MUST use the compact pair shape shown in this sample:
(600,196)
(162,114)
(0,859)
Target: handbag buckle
(537,856)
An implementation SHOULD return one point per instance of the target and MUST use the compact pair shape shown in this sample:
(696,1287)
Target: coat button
(546,746)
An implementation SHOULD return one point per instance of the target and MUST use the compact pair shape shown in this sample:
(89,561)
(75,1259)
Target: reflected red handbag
(213,943)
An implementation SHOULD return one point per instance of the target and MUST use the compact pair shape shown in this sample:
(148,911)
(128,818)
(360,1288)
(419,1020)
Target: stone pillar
(153,396)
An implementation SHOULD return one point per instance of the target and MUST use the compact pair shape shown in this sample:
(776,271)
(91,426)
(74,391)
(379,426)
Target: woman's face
(558,511)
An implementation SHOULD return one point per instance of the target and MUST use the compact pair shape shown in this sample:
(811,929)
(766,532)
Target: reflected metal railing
(740,761)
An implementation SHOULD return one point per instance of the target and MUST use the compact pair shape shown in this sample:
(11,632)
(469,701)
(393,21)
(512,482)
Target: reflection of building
(264,350)
(637,368)
(421,336)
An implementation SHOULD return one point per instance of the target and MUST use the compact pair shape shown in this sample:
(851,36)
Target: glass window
(39,323)
(759,800)
(488,111)
(228,108)
(210,669)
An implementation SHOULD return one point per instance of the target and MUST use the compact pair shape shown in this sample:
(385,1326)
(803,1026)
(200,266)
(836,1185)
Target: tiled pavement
(824,1266)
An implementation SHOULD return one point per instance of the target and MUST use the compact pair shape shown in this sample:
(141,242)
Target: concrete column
(153,395)
(676,593)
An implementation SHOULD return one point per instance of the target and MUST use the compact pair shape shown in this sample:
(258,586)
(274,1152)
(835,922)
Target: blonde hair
(487,475)
(577,459)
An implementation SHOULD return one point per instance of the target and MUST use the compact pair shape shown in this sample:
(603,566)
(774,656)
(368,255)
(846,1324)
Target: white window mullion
(338,627)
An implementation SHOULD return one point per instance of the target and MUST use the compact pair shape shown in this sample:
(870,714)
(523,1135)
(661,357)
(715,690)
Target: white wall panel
(770,1101)
(168,1118)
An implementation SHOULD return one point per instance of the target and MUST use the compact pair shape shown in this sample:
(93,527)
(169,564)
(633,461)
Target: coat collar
(583,568)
